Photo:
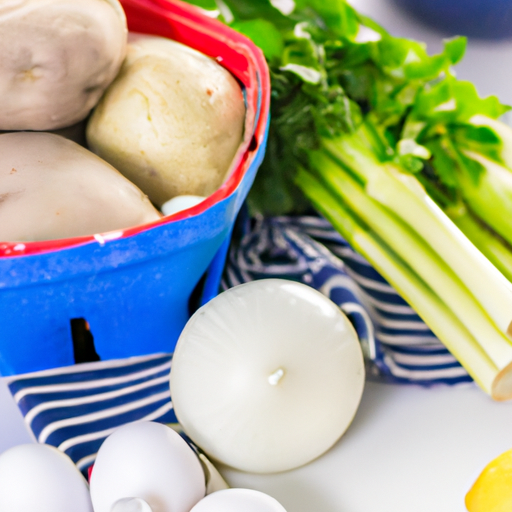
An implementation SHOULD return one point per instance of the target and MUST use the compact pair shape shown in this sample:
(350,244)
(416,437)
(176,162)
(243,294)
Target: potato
(58,56)
(171,122)
(50,187)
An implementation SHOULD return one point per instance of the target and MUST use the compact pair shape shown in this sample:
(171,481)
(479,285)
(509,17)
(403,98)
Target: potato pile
(185,115)
(59,189)
(58,56)
(166,117)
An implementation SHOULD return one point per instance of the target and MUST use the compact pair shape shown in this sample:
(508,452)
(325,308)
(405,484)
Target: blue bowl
(132,288)
(484,19)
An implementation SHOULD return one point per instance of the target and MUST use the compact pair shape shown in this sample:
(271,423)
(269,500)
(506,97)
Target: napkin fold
(397,344)
(76,407)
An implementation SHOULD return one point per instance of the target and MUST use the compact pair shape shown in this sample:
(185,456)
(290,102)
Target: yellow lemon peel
(492,490)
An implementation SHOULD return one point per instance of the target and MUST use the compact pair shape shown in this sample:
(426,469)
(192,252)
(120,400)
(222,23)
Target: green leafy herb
(382,138)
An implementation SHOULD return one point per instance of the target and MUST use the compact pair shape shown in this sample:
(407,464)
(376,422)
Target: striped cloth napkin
(75,408)
(398,345)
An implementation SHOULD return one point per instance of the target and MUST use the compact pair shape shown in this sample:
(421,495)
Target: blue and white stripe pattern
(398,344)
(75,408)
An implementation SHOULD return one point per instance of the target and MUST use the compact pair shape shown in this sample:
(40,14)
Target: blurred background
(486,23)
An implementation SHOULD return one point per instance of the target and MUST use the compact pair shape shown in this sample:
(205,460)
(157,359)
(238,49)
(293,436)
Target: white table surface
(409,449)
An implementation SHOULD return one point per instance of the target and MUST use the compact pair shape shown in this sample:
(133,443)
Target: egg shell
(150,461)
(131,505)
(238,500)
(39,477)
(179,203)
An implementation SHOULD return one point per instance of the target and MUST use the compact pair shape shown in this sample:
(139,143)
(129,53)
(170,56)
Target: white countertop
(409,449)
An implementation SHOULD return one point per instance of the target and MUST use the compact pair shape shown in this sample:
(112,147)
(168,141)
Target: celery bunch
(407,162)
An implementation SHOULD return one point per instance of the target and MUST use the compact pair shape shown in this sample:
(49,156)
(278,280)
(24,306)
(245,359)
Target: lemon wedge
(492,490)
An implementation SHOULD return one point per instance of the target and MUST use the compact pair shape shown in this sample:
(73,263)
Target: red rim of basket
(189,25)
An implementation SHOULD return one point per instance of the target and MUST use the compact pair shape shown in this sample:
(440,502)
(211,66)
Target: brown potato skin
(50,188)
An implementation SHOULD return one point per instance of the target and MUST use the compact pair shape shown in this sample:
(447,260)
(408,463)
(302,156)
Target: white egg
(39,477)
(130,505)
(148,461)
(238,500)
(178,203)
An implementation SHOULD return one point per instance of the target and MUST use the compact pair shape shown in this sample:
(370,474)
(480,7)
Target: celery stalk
(495,249)
(443,323)
(326,81)
(422,260)
(503,131)
(403,195)
(491,197)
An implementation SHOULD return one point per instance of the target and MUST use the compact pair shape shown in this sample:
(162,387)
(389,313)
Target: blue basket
(133,287)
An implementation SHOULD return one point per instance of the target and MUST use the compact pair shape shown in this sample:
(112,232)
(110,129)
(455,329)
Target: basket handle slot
(84,350)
